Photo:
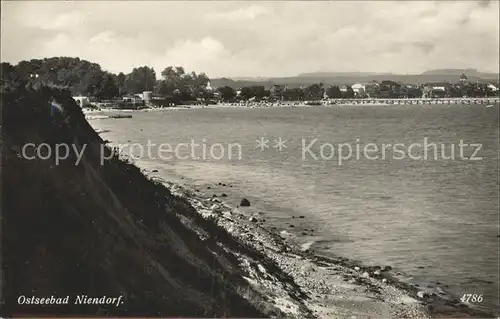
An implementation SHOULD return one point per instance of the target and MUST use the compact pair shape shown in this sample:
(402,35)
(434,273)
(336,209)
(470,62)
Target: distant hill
(458,72)
(337,78)
(323,74)
(251,79)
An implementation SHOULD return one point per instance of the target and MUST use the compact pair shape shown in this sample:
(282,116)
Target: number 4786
(471,298)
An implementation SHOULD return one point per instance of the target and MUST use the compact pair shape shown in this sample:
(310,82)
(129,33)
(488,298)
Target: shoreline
(327,281)
(313,271)
(329,287)
(485,102)
(435,299)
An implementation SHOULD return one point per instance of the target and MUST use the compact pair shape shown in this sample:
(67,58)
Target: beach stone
(387,268)
(384,280)
(252,219)
(223,195)
(357,268)
(302,216)
(366,275)
(244,202)
(376,272)
(421,294)
(155,171)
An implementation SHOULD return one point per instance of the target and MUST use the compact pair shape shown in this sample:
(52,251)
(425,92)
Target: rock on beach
(244,202)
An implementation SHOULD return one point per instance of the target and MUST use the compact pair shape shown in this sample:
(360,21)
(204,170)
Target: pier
(421,101)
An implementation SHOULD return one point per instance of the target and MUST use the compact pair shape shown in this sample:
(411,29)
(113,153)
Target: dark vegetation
(82,77)
(106,229)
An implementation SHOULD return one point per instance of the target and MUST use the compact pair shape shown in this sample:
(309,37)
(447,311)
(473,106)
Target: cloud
(46,20)
(194,55)
(248,13)
(207,55)
(62,21)
(265,39)
(103,37)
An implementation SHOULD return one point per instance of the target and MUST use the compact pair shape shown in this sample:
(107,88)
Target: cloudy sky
(239,39)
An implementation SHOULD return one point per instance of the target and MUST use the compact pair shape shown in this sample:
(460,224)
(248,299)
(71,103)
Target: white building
(144,96)
(492,87)
(133,98)
(359,89)
(209,87)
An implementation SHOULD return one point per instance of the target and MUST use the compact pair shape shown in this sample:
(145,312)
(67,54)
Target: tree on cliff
(9,78)
(80,76)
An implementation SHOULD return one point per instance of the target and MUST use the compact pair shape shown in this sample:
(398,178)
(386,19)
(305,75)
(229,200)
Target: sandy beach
(480,102)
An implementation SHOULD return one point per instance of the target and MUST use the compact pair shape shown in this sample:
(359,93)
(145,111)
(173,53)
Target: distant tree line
(89,79)
(85,78)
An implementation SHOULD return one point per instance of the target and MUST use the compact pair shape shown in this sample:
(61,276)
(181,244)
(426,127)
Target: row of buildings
(382,90)
(132,101)
(391,89)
